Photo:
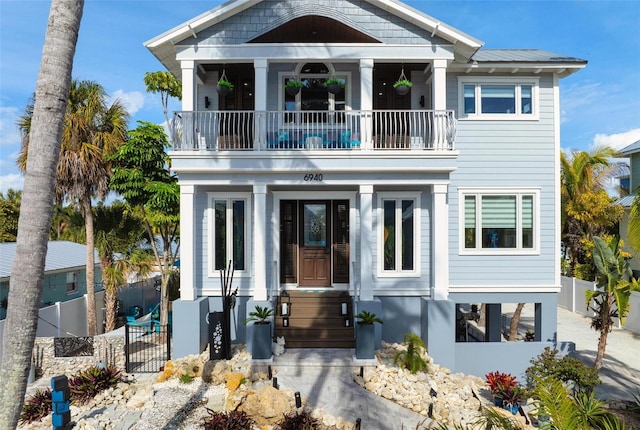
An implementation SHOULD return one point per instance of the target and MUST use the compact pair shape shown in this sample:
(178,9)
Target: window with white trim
(498,98)
(496,221)
(229,236)
(72,282)
(399,234)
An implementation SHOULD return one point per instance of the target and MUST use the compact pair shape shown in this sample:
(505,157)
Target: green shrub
(411,359)
(186,379)
(86,384)
(568,370)
(36,407)
(298,421)
(232,420)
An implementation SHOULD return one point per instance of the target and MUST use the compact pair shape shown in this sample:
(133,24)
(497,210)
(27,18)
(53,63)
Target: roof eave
(562,69)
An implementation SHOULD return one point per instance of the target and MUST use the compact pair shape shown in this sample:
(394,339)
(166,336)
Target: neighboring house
(64,273)
(633,152)
(412,206)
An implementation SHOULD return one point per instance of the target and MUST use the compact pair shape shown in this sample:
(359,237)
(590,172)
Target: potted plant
(292,87)
(402,86)
(511,396)
(497,381)
(261,345)
(365,334)
(224,87)
(334,85)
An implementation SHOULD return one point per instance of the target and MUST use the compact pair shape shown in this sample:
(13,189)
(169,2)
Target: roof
(631,149)
(626,201)
(523,56)
(61,255)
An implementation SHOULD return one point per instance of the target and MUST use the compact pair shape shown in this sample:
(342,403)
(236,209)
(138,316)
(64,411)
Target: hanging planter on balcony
(402,85)
(292,87)
(224,87)
(334,85)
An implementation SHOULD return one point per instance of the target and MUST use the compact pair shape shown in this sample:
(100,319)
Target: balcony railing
(313,130)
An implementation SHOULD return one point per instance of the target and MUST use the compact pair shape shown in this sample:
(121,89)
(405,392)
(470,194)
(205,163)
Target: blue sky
(600,104)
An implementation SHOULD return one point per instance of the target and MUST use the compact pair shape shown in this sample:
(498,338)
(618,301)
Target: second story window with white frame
(72,282)
(398,234)
(498,98)
(230,235)
(499,221)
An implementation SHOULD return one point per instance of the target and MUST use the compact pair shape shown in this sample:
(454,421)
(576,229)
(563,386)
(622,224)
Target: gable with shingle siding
(269,14)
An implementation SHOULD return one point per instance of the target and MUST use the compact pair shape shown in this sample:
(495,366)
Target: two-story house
(413,206)
(632,183)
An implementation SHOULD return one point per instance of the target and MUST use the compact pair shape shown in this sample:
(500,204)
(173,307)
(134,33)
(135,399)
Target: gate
(147,347)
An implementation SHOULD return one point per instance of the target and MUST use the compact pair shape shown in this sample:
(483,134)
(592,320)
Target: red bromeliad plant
(498,381)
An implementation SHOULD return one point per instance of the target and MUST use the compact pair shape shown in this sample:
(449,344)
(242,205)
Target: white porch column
(261,67)
(187,243)
(259,241)
(188,85)
(439,84)
(366,247)
(440,244)
(366,101)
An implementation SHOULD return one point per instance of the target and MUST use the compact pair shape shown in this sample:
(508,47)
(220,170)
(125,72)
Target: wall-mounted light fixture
(207,103)
(343,309)
(421,101)
(285,322)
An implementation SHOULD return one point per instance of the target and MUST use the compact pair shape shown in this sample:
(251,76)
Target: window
(498,98)
(399,235)
(313,95)
(229,232)
(72,282)
(499,221)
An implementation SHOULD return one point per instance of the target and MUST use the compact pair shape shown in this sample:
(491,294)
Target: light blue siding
(496,154)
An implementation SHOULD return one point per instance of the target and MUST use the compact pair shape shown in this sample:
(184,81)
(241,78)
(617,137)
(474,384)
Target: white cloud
(14,181)
(9,134)
(574,98)
(617,140)
(133,101)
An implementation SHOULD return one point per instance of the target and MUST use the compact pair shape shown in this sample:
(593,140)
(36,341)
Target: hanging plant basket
(334,86)
(292,91)
(293,86)
(223,90)
(402,85)
(401,90)
(224,87)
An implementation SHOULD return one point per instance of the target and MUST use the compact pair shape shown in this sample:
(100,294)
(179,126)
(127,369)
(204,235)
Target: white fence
(572,297)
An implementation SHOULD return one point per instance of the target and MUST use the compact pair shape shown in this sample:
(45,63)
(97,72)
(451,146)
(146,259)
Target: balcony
(318,131)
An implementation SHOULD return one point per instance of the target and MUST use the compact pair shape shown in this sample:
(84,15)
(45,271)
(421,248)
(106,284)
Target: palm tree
(611,298)
(92,131)
(9,213)
(27,273)
(587,210)
(633,232)
(119,235)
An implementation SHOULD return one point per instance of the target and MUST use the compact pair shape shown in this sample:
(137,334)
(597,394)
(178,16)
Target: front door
(315,250)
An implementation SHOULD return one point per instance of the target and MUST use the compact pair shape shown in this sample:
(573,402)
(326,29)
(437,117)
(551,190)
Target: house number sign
(313,177)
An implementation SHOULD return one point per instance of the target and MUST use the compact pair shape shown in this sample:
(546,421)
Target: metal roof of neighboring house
(631,149)
(523,56)
(61,255)
(626,201)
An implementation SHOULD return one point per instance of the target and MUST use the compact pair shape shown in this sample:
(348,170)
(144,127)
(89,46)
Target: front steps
(315,319)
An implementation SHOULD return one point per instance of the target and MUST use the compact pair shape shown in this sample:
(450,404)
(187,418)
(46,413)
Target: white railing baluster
(314,130)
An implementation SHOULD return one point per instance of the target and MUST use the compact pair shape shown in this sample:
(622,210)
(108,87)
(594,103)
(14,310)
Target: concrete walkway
(324,378)
(620,372)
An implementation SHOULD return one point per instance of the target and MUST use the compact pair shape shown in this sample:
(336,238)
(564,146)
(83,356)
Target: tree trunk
(607,322)
(92,327)
(27,273)
(515,322)
(111,302)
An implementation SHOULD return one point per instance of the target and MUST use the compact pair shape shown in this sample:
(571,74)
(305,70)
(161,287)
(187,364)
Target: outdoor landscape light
(298,399)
